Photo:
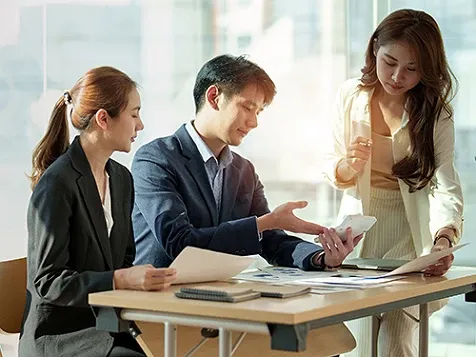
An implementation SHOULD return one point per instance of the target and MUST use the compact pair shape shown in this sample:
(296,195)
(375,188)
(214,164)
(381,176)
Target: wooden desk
(287,321)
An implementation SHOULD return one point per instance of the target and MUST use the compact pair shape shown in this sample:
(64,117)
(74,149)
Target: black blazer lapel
(119,213)
(90,194)
(230,187)
(197,170)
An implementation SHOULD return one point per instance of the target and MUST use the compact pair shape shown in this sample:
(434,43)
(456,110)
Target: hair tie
(68,100)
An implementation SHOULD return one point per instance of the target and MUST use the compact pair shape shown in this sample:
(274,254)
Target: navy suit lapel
(196,167)
(230,188)
(92,201)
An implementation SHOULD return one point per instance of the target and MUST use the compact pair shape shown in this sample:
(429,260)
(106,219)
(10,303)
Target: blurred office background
(309,47)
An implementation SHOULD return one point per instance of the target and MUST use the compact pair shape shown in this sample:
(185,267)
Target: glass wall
(454,327)
(309,47)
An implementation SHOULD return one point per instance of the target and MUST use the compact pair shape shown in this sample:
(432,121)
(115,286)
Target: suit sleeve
(53,279)
(157,196)
(279,248)
(446,197)
(334,154)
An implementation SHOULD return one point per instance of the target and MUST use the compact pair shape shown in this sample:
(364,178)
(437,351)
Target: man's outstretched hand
(282,217)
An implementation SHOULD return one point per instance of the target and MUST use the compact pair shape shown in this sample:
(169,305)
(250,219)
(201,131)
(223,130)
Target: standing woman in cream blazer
(80,238)
(393,155)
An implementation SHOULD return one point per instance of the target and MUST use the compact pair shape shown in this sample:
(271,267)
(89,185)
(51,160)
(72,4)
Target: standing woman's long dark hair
(429,100)
(100,88)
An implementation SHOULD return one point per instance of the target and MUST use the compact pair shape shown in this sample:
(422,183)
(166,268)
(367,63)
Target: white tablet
(357,222)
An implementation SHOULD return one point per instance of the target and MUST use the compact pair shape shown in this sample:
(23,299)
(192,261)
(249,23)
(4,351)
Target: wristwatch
(322,263)
(445,236)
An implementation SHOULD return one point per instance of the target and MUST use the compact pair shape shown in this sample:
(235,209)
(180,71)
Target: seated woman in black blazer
(80,238)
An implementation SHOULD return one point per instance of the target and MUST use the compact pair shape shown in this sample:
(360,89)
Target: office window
(244,3)
(453,328)
(308,49)
(243,42)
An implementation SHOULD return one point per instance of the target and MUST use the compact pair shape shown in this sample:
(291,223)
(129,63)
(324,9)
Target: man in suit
(192,190)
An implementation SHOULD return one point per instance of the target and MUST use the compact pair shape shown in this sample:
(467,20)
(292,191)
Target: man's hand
(442,266)
(335,250)
(283,218)
(144,277)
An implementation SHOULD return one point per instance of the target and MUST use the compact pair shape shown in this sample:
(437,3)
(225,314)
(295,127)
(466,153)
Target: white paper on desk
(356,282)
(195,265)
(421,263)
(324,290)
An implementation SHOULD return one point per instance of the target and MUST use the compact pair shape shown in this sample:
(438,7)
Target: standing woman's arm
(335,155)
(446,197)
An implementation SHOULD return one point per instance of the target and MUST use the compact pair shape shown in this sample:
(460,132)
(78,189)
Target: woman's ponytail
(99,88)
(55,141)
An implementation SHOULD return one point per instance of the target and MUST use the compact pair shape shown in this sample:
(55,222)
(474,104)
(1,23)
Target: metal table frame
(283,337)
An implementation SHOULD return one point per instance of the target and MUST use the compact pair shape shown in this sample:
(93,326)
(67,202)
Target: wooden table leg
(145,346)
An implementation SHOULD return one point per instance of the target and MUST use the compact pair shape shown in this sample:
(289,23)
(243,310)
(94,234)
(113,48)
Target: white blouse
(107,207)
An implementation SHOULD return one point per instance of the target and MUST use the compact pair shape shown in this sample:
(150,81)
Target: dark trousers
(125,346)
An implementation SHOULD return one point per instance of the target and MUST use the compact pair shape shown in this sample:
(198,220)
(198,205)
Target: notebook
(221,298)
(281,292)
(238,293)
(216,290)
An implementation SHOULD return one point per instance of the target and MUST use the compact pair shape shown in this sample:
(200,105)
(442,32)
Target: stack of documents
(323,282)
(280,275)
(215,266)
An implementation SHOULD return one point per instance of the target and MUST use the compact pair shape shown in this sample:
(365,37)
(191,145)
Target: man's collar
(202,147)
(226,156)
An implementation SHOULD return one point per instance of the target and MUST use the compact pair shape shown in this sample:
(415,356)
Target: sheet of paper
(195,265)
(351,282)
(279,275)
(421,263)
(323,290)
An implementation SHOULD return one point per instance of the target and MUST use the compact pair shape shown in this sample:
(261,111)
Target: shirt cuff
(322,265)
(260,234)
(349,182)
(317,255)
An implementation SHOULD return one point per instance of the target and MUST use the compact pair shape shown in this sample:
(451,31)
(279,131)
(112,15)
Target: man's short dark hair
(231,74)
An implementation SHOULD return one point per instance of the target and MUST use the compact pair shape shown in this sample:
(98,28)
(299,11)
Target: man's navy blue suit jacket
(174,208)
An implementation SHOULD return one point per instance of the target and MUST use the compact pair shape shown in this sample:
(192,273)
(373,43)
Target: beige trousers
(389,238)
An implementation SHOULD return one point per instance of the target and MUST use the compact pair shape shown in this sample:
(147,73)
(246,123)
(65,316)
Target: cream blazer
(438,205)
